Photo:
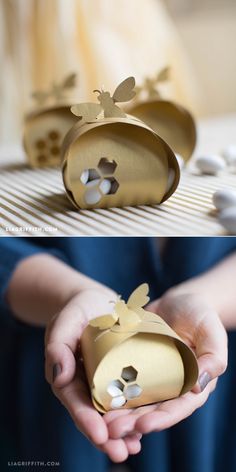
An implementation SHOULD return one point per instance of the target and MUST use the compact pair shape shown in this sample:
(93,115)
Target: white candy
(114,391)
(92,196)
(224,199)
(171,179)
(228,219)
(229,154)
(105,186)
(84,177)
(93,183)
(133,391)
(115,388)
(180,160)
(118,402)
(210,164)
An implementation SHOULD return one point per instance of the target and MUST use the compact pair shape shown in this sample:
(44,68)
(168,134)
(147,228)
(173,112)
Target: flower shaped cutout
(99,182)
(48,147)
(124,389)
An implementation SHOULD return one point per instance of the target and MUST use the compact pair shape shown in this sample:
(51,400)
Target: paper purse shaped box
(168,119)
(111,159)
(46,126)
(133,358)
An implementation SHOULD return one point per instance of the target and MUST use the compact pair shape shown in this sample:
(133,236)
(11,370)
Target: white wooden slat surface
(33,202)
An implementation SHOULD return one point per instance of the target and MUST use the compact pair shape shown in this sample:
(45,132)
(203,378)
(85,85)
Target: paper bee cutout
(111,159)
(90,111)
(169,120)
(47,125)
(56,91)
(133,358)
(150,85)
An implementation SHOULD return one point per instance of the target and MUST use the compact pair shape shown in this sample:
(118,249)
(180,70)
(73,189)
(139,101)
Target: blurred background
(207,29)
(105,41)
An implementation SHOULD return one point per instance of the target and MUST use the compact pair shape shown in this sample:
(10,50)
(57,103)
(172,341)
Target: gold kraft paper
(119,152)
(168,119)
(46,126)
(135,351)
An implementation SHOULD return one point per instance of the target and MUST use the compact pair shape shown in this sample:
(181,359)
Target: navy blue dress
(33,424)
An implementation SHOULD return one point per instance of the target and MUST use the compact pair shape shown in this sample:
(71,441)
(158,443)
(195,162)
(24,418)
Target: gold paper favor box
(133,358)
(44,133)
(168,119)
(111,159)
(46,126)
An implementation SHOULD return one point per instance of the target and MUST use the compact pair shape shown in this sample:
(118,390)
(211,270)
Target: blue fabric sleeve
(12,251)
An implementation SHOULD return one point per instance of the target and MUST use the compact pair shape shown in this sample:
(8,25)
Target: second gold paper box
(46,126)
(170,120)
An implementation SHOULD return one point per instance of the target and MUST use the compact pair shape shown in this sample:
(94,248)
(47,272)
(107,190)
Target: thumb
(60,364)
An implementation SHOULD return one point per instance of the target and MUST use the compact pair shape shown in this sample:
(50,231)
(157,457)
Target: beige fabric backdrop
(103,40)
(208,31)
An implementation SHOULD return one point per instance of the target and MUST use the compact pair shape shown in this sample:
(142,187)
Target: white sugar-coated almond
(229,154)
(224,198)
(211,164)
(93,183)
(115,388)
(180,160)
(105,186)
(227,218)
(171,179)
(118,402)
(92,196)
(84,177)
(133,391)
(114,391)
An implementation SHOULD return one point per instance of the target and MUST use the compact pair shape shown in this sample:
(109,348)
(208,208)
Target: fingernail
(204,380)
(56,370)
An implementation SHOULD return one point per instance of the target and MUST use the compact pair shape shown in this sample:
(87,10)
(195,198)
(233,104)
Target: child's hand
(64,371)
(200,327)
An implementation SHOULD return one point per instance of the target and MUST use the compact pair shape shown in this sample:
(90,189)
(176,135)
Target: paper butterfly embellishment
(150,86)
(126,315)
(88,112)
(56,90)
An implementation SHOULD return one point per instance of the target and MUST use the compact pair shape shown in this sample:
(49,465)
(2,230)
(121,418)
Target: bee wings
(125,91)
(87,111)
(56,89)
(69,81)
(139,298)
(127,317)
(128,314)
(40,96)
(104,322)
(164,74)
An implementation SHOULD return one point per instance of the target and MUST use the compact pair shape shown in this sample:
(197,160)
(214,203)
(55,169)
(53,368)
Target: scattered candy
(210,164)
(224,198)
(229,154)
(227,218)
(180,160)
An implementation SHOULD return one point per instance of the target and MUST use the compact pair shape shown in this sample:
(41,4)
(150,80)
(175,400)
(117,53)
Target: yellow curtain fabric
(104,41)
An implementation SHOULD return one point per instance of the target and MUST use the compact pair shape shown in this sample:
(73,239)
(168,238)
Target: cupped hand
(65,373)
(200,327)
